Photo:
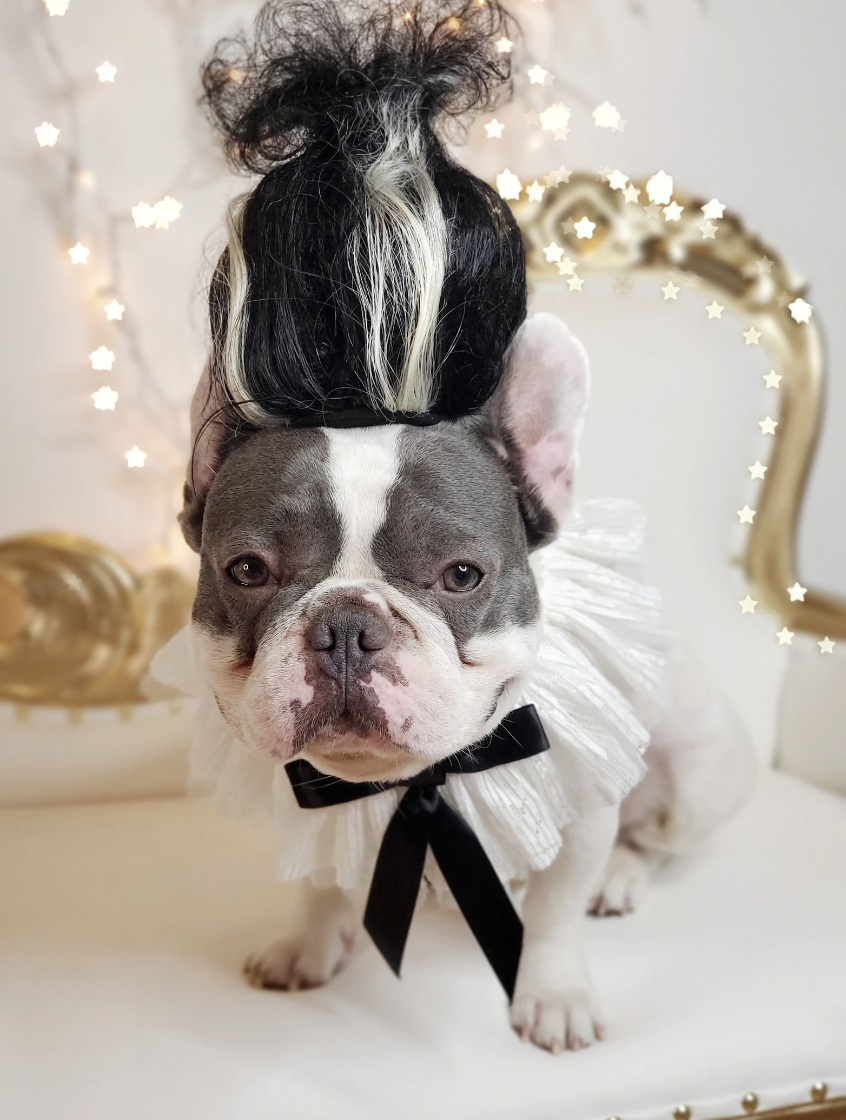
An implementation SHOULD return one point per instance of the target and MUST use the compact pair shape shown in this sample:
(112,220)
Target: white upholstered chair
(124,924)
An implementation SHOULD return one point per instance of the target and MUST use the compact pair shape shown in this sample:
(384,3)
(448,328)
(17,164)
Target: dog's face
(365,597)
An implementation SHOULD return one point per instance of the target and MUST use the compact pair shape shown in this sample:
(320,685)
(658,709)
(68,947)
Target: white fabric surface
(123,928)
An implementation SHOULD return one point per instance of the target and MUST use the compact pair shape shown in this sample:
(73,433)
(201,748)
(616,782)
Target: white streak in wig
(236,321)
(399,263)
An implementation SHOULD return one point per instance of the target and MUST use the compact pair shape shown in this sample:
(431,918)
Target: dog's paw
(623,883)
(312,956)
(556,1020)
(554,1005)
(296,963)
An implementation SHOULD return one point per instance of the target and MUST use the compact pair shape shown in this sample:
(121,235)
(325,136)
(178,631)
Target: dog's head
(365,596)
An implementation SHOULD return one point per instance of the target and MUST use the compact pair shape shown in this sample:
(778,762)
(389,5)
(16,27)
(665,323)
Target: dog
(384,443)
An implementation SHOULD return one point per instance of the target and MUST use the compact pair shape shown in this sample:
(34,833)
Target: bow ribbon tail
(396,881)
(477,889)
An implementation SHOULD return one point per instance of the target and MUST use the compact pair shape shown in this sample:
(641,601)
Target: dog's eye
(249,571)
(462,577)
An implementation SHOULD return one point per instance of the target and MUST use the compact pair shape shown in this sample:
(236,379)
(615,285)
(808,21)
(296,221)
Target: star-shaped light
(713,209)
(715,310)
(709,230)
(79,254)
(653,210)
(555,119)
(801,311)
(102,358)
(504,45)
(143,215)
(748,605)
(554,178)
(584,227)
(106,72)
(47,134)
(619,126)
(531,117)
(746,515)
(494,129)
(617,181)
(670,290)
(673,212)
(768,426)
(785,637)
(56,7)
(105,399)
(772,379)
(508,185)
(167,210)
(135,457)
(752,336)
(553,253)
(826,645)
(631,193)
(575,283)
(622,283)
(535,191)
(783,299)
(537,75)
(797,592)
(606,116)
(114,310)
(757,470)
(603,175)
(660,188)
(764,265)
(569,226)
(566,267)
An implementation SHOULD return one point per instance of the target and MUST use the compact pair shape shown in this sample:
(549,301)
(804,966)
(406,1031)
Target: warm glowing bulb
(105,72)
(166,210)
(102,358)
(79,254)
(135,457)
(105,399)
(47,134)
(114,310)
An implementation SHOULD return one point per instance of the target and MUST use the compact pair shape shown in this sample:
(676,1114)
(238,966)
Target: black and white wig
(366,271)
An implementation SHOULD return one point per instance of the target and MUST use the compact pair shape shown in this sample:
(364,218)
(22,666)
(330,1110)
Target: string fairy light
(92,228)
(47,134)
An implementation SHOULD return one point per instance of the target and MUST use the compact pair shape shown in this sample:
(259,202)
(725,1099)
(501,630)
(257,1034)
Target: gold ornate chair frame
(628,239)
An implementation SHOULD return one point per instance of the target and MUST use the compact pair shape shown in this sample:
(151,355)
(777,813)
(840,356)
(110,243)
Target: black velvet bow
(425,819)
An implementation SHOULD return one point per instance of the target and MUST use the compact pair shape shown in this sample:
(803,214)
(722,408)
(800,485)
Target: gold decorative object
(819,1091)
(681,1112)
(77,625)
(749,1102)
(627,239)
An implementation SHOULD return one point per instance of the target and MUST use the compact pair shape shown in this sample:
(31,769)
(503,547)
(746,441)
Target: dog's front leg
(319,945)
(553,1003)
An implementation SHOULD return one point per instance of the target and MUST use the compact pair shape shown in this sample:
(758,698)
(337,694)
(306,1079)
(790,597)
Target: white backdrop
(737,101)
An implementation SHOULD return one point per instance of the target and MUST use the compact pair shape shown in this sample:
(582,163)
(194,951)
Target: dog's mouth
(345,749)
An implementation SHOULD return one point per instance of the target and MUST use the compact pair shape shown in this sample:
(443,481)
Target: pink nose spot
(394,702)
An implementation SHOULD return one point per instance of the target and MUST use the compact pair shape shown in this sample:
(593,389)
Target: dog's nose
(345,639)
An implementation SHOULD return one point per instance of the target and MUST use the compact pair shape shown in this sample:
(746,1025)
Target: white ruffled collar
(601,654)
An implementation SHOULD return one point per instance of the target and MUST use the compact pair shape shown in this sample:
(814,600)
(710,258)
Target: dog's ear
(535,420)
(210,435)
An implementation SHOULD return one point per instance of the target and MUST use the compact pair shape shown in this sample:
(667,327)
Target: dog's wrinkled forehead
(391,504)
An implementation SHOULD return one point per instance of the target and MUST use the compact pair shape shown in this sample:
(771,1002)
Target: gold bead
(749,1102)
(819,1091)
(681,1112)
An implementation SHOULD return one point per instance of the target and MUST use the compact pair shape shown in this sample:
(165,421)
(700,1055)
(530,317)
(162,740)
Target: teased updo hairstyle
(366,269)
